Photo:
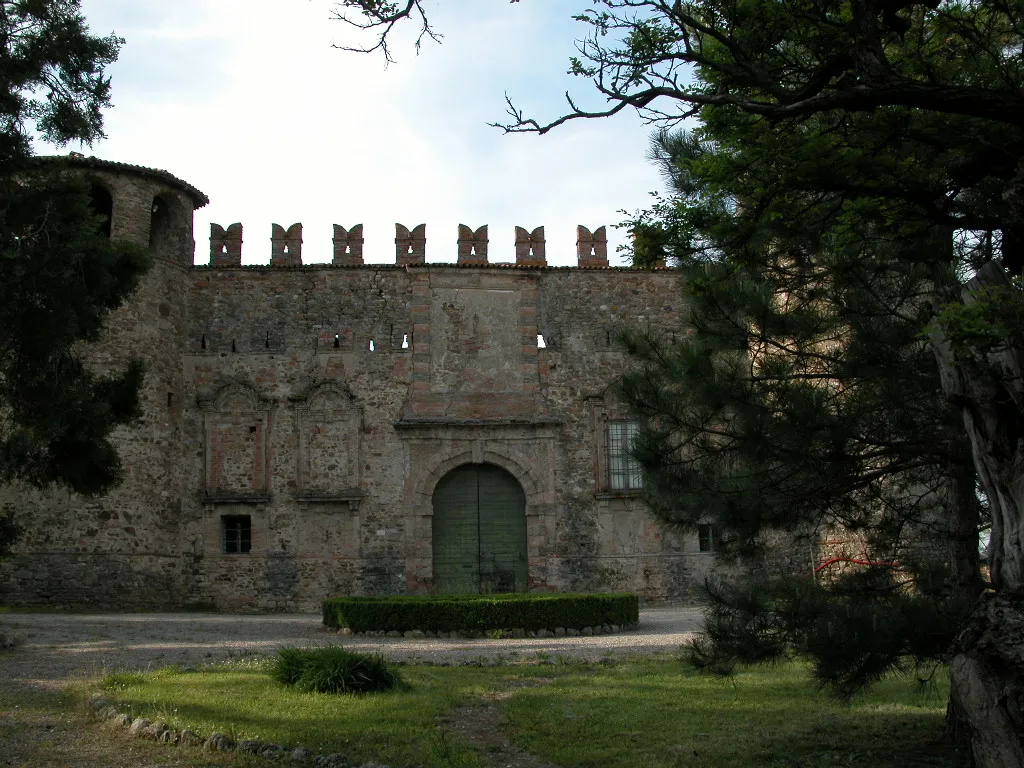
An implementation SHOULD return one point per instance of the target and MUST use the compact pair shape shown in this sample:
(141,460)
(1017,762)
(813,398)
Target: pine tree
(806,401)
(60,275)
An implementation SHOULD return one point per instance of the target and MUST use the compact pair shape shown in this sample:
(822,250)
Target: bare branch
(381,18)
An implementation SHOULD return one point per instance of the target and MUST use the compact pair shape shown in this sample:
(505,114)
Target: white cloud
(248,101)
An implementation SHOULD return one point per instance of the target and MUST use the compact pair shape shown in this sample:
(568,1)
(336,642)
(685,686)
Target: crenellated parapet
(226,245)
(411,246)
(530,248)
(472,245)
(348,245)
(591,247)
(286,246)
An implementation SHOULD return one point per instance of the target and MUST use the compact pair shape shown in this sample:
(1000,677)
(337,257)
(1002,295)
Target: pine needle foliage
(856,630)
(60,276)
(805,399)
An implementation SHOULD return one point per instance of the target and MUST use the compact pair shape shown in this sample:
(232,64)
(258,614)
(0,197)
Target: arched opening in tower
(102,206)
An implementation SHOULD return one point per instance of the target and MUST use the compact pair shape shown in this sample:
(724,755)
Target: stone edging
(159,731)
(496,634)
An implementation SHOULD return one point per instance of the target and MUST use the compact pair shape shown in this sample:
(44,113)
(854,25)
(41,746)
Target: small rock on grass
(300,754)
(219,742)
(189,739)
(138,724)
(331,761)
(154,732)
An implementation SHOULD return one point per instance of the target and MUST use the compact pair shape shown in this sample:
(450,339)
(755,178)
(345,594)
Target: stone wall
(322,404)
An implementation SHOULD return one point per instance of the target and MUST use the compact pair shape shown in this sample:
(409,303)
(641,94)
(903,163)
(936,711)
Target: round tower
(122,550)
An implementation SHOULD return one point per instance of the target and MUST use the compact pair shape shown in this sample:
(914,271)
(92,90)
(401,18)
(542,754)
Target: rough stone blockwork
(312,431)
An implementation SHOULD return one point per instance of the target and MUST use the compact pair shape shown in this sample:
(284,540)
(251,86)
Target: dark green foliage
(288,664)
(332,669)
(855,629)
(59,279)
(59,276)
(51,75)
(806,399)
(450,613)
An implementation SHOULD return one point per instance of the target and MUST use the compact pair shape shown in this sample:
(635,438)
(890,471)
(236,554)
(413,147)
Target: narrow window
(623,470)
(337,340)
(373,347)
(405,341)
(202,342)
(266,343)
(236,533)
(102,207)
(709,538)
(541,344)
(161,228)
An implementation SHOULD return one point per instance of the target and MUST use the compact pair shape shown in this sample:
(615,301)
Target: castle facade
(348,428)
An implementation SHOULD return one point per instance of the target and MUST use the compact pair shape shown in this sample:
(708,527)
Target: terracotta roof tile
(198,198)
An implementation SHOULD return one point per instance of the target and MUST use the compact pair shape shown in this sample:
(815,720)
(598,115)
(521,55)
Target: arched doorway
(479,532)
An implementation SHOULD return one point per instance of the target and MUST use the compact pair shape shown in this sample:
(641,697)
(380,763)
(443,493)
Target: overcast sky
(248,101)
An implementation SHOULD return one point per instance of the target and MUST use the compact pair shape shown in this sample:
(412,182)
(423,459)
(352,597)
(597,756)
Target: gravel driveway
(54,647)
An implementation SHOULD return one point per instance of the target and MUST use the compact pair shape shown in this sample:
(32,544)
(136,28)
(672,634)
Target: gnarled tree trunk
(987,670)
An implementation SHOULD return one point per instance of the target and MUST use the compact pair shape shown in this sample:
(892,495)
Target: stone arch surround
(420,489)
(507,458)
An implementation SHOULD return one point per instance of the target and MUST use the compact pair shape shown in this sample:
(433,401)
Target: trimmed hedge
(479,613)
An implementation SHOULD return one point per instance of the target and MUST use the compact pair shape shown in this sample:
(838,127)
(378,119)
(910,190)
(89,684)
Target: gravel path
(55,647)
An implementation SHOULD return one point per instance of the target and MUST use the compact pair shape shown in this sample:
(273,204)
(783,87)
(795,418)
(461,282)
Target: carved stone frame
(215,413)
(307,413)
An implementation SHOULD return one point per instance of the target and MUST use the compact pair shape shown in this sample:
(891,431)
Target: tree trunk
(986,706)
(986,696)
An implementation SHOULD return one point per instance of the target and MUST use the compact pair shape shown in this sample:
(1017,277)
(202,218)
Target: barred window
(236,534)
(709,538)
(623,470)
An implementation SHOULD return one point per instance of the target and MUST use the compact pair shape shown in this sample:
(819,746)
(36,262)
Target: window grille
(236,534)
(623,470)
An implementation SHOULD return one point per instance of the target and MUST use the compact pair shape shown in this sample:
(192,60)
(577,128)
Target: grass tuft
(332,669)
(288,665)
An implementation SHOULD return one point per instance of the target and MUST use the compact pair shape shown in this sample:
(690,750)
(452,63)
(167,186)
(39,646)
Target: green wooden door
(479,532)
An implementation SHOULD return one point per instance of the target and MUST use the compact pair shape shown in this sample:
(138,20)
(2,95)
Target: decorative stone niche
(237,425)
(329,425)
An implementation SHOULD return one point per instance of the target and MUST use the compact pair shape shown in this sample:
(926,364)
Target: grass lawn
(627,714)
